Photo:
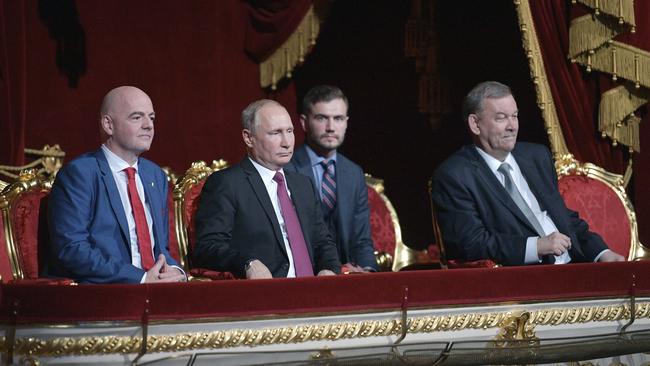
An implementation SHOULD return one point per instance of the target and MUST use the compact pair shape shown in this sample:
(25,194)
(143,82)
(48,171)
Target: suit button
(285,266)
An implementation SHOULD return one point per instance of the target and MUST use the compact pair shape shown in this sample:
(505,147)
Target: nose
(328,125)
(147,123)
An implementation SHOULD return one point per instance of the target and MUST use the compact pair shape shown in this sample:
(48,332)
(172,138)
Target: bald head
(126,120)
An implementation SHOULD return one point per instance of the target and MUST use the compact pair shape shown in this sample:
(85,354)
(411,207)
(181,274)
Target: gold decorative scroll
(292,52)
(538,75)
(223,339)
(591,45)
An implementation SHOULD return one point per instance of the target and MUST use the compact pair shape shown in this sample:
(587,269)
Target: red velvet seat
(600,199)
(24,211)
(390,250)
(186,193)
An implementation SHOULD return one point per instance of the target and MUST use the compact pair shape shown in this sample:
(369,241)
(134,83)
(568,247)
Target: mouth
(330,137)
(145,136)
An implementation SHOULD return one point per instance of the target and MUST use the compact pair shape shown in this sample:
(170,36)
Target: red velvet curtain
(195,59)
(577,94)
(12,81)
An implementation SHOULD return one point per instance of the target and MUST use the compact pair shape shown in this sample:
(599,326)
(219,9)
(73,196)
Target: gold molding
(197,172)
(46,166)
(514,328)
(545,101)
(27,180)
(568,165)
(292,52)
(223,339)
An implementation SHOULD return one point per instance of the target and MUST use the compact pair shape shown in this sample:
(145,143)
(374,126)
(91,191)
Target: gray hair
(249,116)
(473,102)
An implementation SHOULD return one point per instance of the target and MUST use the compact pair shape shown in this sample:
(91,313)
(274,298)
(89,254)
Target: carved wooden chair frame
(28,180)
(197,172)
(567,165)
(403,255)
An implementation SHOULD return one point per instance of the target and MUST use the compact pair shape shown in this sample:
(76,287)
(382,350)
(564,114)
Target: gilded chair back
(390,250)
(22,205)
(186,194)
(174,250)
(600,198)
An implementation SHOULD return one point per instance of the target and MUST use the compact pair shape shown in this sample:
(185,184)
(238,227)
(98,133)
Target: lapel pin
(152,184)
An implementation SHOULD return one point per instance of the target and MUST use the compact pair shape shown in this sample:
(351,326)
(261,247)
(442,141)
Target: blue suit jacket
(89,234)
(353,215)
(479,220)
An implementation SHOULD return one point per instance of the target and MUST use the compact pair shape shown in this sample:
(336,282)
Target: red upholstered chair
(186,193)
(24,216)
(600,199)
(439,247)
(174,250)
(390,250)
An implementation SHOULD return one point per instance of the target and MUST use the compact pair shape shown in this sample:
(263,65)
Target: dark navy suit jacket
(236,222)
(353,215)
(479,220)
(89,234)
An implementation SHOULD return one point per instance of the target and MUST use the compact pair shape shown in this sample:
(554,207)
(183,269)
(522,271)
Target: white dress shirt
(117,166)
(542,217)
(272,189)
(317,168)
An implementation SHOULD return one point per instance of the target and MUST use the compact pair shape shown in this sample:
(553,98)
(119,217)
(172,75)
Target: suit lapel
(490,180)
(258,187)
(113,196)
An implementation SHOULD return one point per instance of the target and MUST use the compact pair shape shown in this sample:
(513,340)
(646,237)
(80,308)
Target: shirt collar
(266,173)
(116,163)
(494,163)
(316,159)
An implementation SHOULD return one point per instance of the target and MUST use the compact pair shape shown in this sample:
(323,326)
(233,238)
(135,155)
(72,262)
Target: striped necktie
(328,186)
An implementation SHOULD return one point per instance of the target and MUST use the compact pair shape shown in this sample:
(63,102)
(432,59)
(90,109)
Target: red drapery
(194,59)
(577,94)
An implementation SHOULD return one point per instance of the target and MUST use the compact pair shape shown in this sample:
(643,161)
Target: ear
(107,124)
(303,122)
(472,123)
(247,137)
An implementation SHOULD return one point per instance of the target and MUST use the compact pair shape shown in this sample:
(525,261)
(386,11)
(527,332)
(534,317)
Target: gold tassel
(623,10)
(291,53)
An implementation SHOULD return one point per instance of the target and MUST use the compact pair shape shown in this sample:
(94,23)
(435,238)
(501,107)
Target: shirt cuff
(531,251)
(600,255)
(183,272)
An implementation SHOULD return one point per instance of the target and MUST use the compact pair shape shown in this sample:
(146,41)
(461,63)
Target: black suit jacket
(352,211)
(479,220)
(235,222)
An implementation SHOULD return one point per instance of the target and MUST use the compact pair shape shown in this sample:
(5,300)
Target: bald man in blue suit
(94,237)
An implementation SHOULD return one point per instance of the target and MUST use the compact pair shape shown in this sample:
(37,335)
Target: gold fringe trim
(614,106)
(292,53)
(296,334)
(585,34)
(538,75)
(622,10)
(592,46)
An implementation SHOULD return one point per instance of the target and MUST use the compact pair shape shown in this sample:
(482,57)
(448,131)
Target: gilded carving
(520,324)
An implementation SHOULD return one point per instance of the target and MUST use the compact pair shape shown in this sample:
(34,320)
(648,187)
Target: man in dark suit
(256,220)
(498,199)
(107,211)
(339,181)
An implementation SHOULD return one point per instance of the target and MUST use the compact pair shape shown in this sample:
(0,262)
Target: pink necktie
(141,227)
(301,260)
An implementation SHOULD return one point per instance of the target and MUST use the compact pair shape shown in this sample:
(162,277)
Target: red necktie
(301,260)
(141,227)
